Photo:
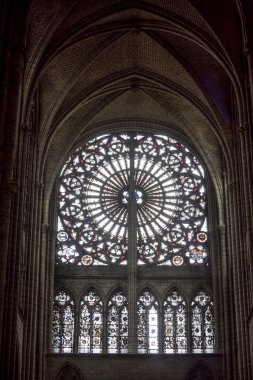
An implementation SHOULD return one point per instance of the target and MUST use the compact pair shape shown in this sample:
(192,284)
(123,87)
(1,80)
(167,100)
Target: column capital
(25,127)
(247,49)
(45,228)
(243,128)
(39,185)
(222,229)
(231,186)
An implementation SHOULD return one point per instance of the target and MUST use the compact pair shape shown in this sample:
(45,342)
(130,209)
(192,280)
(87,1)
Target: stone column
(226,316)
(12,54)
(247,144)
(236,222)
(42,301)
(32,333)
(245,237)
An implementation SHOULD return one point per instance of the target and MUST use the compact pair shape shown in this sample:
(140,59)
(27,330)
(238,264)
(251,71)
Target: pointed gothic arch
(68,371)
(200,371)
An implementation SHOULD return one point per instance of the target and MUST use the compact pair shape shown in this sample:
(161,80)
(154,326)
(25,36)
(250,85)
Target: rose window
(116,182)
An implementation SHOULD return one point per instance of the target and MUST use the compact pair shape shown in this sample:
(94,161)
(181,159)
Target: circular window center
(139,196)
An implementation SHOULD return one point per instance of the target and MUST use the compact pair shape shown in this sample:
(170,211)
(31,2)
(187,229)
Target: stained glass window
(117,323)
(63,323)
(170,196)
(90,323)
(175,323)
(147,322)
(202,323)
(132,199)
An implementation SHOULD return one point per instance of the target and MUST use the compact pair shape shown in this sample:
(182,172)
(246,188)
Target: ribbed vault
(109,65)
(96,54)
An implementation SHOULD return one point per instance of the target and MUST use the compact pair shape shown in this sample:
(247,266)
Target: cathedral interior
(126,190)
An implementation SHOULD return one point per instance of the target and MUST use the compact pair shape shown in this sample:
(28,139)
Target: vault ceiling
(170,62)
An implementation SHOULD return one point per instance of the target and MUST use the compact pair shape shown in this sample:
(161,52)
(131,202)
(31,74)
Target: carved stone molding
(39,185)
(45,228)
(25,127)
(222,229)
(243,128)
(247,50)
(231,186)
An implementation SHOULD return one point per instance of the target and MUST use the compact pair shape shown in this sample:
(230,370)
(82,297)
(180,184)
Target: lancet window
(90,323)
(117,323)
(202,323)
(175,323)
(147,322)
(63,323)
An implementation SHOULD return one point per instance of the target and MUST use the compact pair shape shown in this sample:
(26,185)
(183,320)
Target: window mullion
(174,329)
(91,330)
(105,328)
(132,260)
(161,329)
(189,328)
(76,330)
(203,328)
(61,328)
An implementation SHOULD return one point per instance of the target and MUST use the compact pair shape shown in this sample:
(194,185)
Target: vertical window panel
(63,323)
(175,323)
(117,323)
(172,230)
(90,323)
(202,323)
(147,323)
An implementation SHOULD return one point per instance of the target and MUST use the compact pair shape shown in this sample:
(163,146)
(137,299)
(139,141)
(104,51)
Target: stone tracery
(169,191)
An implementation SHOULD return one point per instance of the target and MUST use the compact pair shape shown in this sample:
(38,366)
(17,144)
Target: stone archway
(200,372)
(68,372)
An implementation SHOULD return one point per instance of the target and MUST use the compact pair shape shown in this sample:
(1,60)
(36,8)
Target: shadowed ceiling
(98,63)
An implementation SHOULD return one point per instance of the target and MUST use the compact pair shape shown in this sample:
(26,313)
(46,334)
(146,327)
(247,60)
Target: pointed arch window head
(63,323)
(68,372)
(202,325)
(170,199)
(147,322)
(117,323)
(175,323)
(90,323)
(200,372)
